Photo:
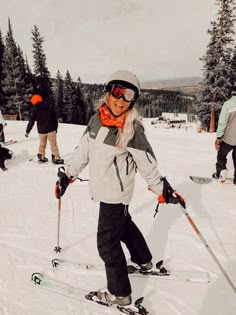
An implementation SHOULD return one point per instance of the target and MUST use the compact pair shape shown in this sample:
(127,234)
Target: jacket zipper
(118,175)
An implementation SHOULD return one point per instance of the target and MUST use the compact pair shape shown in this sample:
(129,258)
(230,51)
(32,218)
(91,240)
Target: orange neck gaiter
(110,121)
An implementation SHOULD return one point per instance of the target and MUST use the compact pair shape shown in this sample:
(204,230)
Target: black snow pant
(225,148)
(2,136)
(115,226)
(4,155)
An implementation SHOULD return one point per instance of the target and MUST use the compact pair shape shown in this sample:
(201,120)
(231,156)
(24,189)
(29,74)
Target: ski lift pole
(58,248)
(208,248)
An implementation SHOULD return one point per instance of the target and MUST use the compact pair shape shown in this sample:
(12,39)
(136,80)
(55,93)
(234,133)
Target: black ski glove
(62,183)
(169,195)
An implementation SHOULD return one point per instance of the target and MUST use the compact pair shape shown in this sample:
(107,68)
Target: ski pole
(58,248)
(208,248)
(183,208)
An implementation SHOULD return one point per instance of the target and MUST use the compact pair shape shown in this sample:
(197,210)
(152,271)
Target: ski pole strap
(156,210)
(170,191)
(169,195)
(82,180)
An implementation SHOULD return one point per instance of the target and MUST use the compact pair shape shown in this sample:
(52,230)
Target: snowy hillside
(28,228)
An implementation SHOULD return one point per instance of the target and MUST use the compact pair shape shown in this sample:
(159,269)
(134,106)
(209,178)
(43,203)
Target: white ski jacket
(112,170)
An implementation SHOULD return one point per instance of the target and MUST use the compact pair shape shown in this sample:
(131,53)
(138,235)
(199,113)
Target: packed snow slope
(28,228)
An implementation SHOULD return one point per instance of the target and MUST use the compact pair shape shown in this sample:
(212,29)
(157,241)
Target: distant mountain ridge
(185,84)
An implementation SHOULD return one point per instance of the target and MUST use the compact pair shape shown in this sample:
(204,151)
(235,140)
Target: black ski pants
(115,226)
(225,148)
(2,136)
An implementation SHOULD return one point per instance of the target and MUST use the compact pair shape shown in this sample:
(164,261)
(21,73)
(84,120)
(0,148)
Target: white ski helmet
(125,78)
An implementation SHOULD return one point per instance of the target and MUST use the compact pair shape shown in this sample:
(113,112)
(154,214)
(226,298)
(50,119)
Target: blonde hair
(127,132)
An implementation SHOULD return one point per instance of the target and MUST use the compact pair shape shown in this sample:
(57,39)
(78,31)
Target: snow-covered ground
(28,228)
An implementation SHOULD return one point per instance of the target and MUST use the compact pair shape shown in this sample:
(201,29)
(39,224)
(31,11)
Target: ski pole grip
(61,170)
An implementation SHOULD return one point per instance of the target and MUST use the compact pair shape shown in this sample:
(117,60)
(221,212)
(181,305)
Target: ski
(160,272)
(9,142)
(82,295)
(207,180)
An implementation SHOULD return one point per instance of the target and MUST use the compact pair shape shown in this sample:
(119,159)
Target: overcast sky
(156,39)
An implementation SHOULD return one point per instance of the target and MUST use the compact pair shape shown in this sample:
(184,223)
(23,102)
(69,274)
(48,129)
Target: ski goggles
(119,91)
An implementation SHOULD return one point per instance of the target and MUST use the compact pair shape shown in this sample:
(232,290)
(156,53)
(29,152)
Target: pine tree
(14,83)
(69,100)
(91,94)
(206,96)
(29,74)
(42,82)
(80,104)
(233,68)
(90,109)
(217,82)
(2,98)
(58,95)
(28,85)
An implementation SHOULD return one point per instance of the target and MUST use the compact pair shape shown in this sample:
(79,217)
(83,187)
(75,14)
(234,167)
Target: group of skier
(114,146)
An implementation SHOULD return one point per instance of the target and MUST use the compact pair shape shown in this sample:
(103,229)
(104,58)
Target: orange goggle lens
(119,91)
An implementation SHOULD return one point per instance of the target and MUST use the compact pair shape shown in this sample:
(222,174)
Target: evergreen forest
(75,101)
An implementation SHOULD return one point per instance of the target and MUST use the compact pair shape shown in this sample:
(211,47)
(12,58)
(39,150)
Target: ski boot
(41,159)
(220,176)
(223,176)
(105,296)
(57,161)
(216,175)
(132,267)
(2,166)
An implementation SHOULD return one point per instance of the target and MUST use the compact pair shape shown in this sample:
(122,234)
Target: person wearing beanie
(226,138)
(47,125)
(115,147)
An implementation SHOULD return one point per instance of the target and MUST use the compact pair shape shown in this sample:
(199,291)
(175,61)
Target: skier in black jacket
(47,126)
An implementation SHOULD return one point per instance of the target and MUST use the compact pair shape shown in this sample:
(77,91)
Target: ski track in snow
(28,227)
